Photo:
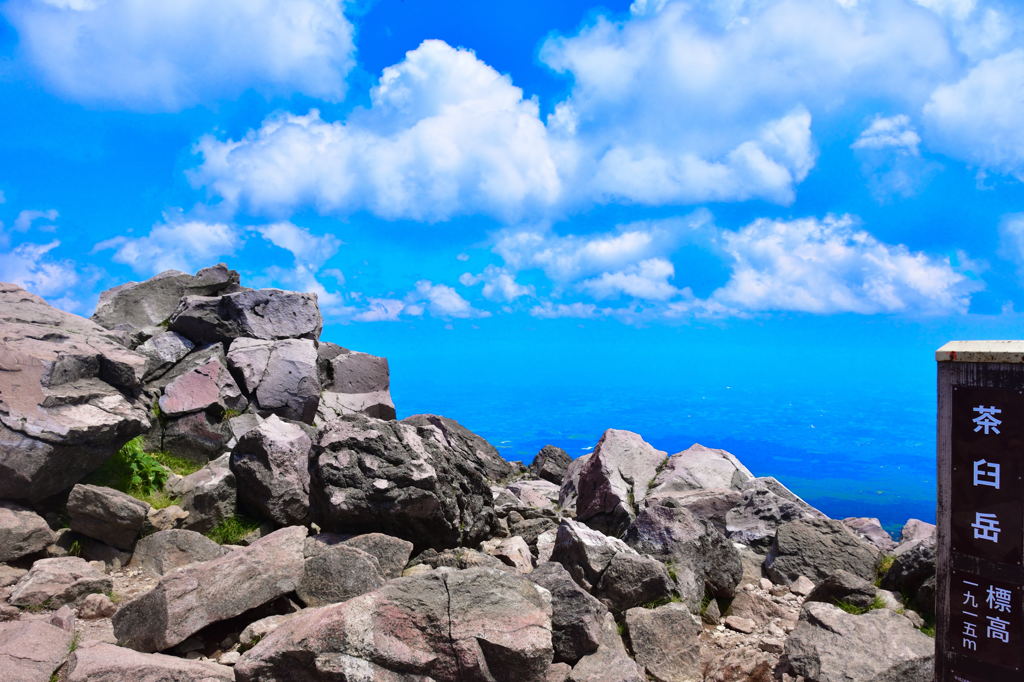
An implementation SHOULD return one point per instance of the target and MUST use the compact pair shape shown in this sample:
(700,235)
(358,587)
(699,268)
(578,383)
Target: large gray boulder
(916,529)
(468,626)
(188,599)
(22,532)
(700,467)
(424,479)
(464,443)
(611,661)
(271,467)
(817,548)
(353,382)
(58,581)
(830,645)
(392,554)
(258,314)
(166,550)
(666,642)
(107,515)
(335,573)
(208,495)
(914,563)
(701,558)
(69,396)
(551,464)
(162,352)
(585,553)
(707,504)
(141,305)
(615,480)
(631,580)
(766,504)
(845,587)
(280,376)
(577,618)
(32,650)
(102,662)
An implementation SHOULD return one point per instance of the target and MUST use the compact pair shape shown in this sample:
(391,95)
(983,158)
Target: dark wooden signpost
(980,580)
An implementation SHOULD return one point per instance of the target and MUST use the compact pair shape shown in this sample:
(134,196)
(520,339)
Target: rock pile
(344,544)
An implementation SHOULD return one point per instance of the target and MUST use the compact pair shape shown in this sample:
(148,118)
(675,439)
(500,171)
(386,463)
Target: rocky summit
(193,486)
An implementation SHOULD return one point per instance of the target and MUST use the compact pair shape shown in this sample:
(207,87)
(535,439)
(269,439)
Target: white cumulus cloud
(980,117)
(887,132)
(175,244)
(154,55)
(830,266)
(648,279)
(445,134)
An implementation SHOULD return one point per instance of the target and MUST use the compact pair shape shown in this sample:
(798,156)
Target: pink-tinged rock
(569,492)
(107,515)
(700,467)
(271,467)
(32,650)
(610,663)
(511,551)
(871,530)
(58,581)
(446,625)
(615,479)
(190,598)
(102,662)
(67,396)
(200,388)
(666,642)
(916,529)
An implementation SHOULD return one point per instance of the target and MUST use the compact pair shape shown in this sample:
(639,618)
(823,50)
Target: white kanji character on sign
(969,600)
(999,599)
(997,629)
(987,419)
(986,473)
(969,635)
(986,527)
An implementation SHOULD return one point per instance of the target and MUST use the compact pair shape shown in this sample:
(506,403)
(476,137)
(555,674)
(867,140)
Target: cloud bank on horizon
(661,161)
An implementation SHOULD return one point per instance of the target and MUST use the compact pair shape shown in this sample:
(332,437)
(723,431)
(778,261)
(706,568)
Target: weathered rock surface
(569,492)
(817,548)
(511,551)
(550,464)
(699,467)
(871,530)
(916,529)
(353,382)
(334,573)
(281,376)
(585,552)
(162,352)
(22,532)
(57,581)
(830,645)
(32,650)
(259,314)
(208,495)
(68,396)
(107,515)
(95,606)
(843,586)
(710,504)
(392,553)
(703,560)
(103,662)
(577,618)
(631,580)
(766,505)
(913,566)
(192,597)
(615,479)
(141,305)
(611,661)
(424,479)
(466,444)
(471,625)
(207,385)
(665,642)
(537,494)
(271,468)
(166,550)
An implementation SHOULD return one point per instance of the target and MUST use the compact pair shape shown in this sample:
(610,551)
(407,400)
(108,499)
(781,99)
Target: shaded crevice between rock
(451,638)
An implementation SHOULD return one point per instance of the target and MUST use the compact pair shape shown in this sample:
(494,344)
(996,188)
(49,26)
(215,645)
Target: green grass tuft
(231,530)
(859,610)
(178,465)
(928,630)
(884,564)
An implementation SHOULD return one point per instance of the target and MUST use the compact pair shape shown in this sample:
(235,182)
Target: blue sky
(532,190)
